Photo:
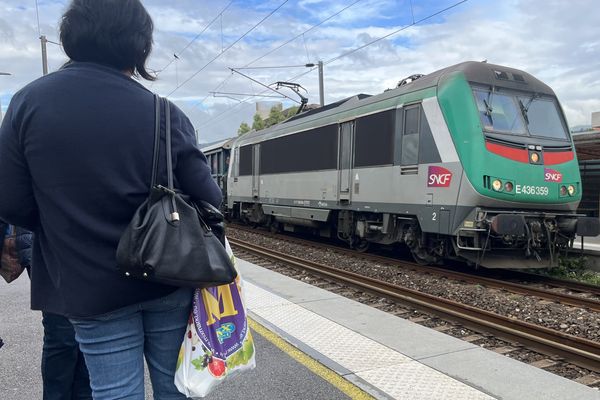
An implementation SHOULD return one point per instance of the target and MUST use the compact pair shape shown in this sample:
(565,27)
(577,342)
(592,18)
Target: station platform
(388,356)
(314,344)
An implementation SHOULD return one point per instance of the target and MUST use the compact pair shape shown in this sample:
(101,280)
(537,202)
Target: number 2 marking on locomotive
(434,216)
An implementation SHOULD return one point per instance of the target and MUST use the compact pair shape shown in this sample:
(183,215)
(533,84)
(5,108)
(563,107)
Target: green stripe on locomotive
(458,105)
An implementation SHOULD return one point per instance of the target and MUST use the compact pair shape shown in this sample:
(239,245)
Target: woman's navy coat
(75,163)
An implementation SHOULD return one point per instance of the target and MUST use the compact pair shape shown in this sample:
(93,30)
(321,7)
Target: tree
(275,116)
(244,128)
(290,112)
(258,123)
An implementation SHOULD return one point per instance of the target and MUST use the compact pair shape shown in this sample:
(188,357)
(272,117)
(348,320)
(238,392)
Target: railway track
(554,282)
(500,283)
(579,351)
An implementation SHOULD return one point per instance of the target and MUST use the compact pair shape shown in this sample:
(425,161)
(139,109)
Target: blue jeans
(64,375)
(114,346)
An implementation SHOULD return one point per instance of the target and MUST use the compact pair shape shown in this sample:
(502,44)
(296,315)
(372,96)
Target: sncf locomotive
(473,162)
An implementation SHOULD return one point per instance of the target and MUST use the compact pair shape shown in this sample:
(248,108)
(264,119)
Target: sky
(557,41)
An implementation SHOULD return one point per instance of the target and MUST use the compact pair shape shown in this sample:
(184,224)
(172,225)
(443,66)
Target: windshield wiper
(524,111)
(525,108)
(488,105)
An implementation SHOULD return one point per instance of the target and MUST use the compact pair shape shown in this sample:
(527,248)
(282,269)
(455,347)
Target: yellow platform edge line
(345,386)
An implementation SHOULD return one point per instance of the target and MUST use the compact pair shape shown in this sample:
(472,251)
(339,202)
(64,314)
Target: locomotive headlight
(563,190)
(534,157)
(497,185)
(571,190)
(508,186)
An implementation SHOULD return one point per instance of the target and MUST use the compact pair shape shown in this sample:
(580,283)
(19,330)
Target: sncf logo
(551,175)
(438,177)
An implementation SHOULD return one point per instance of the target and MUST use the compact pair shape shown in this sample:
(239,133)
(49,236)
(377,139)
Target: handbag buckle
(166,189)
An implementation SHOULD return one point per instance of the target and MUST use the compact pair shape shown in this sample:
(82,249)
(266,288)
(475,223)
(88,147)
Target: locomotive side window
(410,136)
(374,139)
(311,150)
(245,163)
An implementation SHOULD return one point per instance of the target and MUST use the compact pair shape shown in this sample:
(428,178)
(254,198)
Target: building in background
(263,108)
(587,144)
(596,121)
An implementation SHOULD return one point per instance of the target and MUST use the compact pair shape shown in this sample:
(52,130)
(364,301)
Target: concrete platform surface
(389,354)
(277,376)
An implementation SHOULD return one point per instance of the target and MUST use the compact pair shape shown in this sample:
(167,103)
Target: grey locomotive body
(400,167)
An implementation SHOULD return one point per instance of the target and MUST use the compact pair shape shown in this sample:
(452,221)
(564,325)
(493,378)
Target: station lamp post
(321,89)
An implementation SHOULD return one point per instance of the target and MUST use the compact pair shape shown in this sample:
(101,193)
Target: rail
(582,352)
(476,277)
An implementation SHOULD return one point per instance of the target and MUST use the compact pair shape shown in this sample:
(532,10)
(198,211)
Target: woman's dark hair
(117,33)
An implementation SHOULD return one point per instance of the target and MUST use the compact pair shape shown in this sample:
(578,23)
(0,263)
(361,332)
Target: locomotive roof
(476,72)
(226,143)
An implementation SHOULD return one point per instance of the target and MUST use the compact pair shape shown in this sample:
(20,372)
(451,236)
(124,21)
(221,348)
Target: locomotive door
(346,136)
(256,171)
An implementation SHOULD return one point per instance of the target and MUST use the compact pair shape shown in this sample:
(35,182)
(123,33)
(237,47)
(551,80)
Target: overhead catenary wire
(247,94)
(227,48)
(176,55)
(262,84)
(216,117)
(279,47)
(303,33)
(278,66)
(248,99)
(395,32)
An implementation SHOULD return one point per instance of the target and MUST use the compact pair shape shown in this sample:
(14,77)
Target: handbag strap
(174,215)
(168,143)
(156,141)
(157,116)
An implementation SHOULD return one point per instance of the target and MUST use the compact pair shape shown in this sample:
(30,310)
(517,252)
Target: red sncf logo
(438,177)
(551,175)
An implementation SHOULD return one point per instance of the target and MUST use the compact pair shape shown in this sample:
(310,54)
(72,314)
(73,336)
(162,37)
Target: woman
(76,151)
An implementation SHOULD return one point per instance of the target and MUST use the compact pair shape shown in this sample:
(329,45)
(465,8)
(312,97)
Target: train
(473,162)
(217,156)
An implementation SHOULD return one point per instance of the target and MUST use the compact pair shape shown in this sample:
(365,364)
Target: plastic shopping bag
(218,343)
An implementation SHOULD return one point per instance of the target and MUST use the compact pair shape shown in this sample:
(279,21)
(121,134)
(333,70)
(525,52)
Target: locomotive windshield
(517,114)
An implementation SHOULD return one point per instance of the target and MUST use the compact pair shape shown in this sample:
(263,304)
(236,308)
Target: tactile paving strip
(416,381)
(257,298)
(390,371)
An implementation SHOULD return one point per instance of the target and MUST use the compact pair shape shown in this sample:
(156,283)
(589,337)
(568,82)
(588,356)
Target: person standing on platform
(76,150)
(64,374)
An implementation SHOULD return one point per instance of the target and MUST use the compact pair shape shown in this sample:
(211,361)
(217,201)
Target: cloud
(556,41)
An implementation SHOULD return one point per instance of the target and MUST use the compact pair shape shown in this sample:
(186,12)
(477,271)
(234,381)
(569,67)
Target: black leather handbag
(171,239)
